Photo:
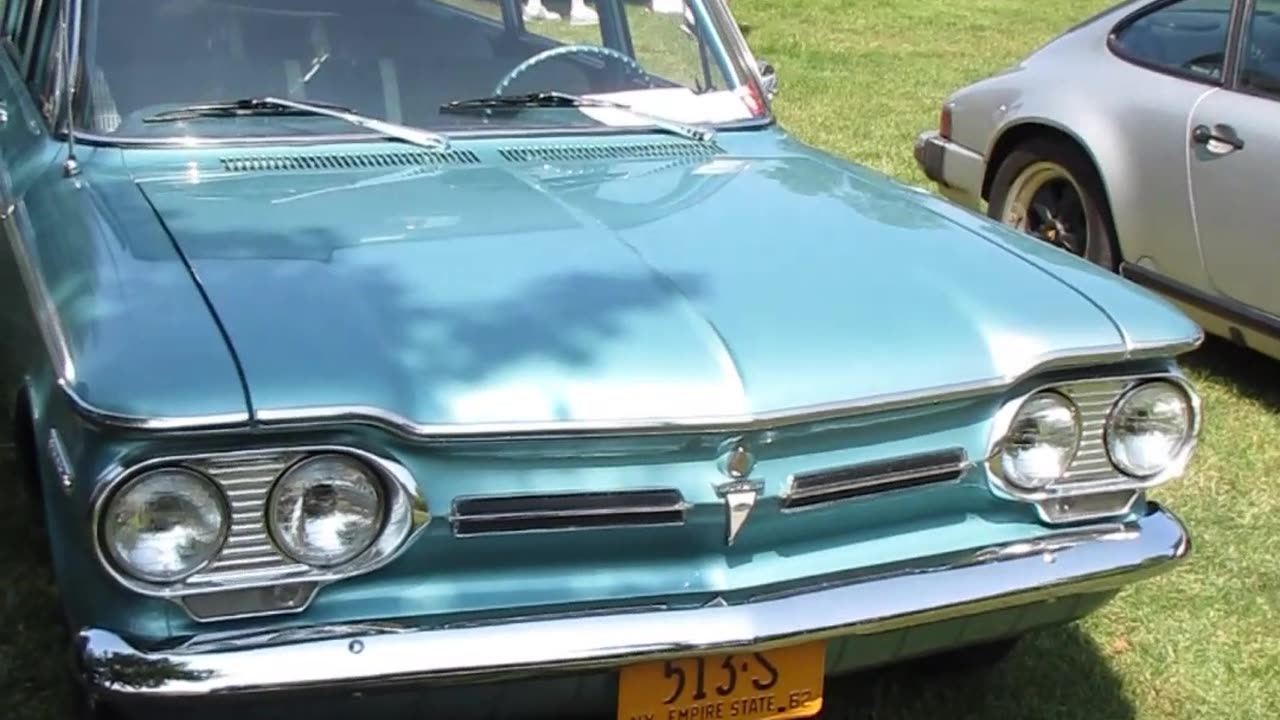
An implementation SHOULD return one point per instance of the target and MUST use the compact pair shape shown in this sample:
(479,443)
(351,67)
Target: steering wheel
(556,52)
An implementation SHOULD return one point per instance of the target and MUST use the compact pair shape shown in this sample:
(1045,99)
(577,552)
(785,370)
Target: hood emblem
(740,493)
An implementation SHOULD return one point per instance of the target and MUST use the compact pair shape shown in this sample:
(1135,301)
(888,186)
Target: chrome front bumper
(1088,560)
(956,169)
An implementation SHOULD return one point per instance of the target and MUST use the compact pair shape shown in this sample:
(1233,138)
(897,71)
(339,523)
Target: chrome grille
(1094,399)
(567,511)
(821,487)
(249,552)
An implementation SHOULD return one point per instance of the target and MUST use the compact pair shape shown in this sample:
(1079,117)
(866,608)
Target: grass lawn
(861,78)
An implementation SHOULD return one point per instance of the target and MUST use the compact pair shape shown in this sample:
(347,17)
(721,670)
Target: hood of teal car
(506,291)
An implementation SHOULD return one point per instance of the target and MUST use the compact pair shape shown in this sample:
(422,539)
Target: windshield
(400,61)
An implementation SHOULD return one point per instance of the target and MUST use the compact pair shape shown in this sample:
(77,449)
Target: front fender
(1132,129)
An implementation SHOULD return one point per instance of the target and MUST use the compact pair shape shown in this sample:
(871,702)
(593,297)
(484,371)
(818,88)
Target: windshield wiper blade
(278,106)
(556,99)
(236,108)
(543,99)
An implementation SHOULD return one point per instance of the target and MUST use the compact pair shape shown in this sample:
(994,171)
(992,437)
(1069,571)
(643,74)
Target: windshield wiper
(555,99)
(236,108)
(278,106)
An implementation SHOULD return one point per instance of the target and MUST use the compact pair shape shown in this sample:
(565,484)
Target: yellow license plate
(776,684)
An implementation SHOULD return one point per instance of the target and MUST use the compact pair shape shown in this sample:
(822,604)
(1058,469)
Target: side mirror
(769,77)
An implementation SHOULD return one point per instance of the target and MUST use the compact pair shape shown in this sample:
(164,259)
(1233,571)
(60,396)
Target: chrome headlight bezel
(375,483)
(1000,461)
(120,566)
(1179,459)
(286,585)
(1108,493)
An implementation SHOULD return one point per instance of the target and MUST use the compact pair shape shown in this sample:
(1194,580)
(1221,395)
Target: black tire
(1100,245)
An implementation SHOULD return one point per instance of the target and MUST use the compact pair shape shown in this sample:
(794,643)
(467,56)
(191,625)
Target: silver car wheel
(1046,201)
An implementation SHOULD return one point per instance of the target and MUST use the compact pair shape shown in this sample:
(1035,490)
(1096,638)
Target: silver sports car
(1147,139)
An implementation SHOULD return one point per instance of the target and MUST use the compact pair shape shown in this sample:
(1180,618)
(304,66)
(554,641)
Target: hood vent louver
(347,161)
(822,487)
(627,151)
(569,511)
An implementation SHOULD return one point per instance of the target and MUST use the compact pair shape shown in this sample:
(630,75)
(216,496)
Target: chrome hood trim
(405,427)
(327,415)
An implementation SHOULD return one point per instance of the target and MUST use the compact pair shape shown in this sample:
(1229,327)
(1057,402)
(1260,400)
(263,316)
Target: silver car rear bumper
(1088,560)
(956,169)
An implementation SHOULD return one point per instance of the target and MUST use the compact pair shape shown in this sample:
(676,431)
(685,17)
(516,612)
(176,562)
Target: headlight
(1041,442)
(165,525)
(1149,428)
(326,510)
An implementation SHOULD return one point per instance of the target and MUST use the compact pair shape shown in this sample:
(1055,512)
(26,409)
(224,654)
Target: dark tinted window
(1260,64)
(1187,37)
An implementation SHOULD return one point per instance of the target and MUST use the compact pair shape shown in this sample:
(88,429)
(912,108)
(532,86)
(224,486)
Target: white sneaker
(537,11)
(583,15)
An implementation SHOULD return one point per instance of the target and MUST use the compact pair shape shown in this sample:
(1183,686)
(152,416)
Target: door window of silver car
(1188,38)
(1260,63)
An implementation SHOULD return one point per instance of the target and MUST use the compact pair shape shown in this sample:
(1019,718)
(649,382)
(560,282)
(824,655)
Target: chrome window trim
(23,35)
(738,50)
(1121,482)
(197,142)
(406,519)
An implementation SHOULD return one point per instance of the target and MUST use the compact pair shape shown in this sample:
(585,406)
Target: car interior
(1260,66)
(1177,37)
(393,59)
(1192,37)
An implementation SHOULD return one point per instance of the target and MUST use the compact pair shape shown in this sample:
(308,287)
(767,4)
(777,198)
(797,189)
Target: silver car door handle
(1224,134)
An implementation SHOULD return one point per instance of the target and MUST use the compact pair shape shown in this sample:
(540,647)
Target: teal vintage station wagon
(418,356)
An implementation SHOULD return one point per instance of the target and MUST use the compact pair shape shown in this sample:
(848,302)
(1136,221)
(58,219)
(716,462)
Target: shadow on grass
(1055,673)
(1245,371)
